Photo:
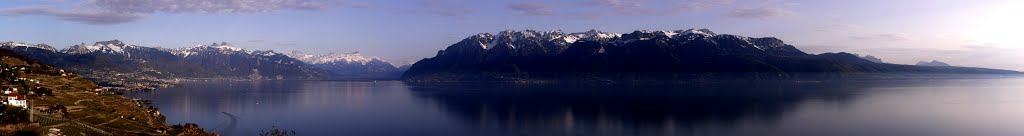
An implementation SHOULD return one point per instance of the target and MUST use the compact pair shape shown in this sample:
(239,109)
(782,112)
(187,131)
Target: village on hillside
(41,100)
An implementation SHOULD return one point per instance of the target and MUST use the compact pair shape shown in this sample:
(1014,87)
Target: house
(17,100)
(10,90)
(54,132)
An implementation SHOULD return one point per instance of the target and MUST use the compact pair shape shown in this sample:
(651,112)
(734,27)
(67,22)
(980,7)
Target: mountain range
(506,56)
(350,65)
(643,55)
(116,63)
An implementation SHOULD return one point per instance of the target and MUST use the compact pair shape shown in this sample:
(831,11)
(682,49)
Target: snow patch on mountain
(221,48)
(701,32)
(508,37)
(353,57)
(225,46)
(555,41)
(11,44)
(265,53)
(594,34)
(113,47)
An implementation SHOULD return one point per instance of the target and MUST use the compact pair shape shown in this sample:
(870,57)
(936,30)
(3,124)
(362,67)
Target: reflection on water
(308,107)
(620,110)
(905,107)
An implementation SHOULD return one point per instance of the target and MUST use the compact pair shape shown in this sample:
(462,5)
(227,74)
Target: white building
(17,100)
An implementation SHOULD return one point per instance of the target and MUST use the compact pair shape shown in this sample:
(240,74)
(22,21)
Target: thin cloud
(759,12)
(111,12)
(87,17)
(204,6)
(621,4)
(532,9)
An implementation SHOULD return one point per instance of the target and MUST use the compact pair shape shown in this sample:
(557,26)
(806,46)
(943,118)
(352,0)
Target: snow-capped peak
(11,44)
(669,33)
(697,32)
(353,57)
(109,47)
(225,46)
(654,32)
(498,38)
(222,48)
(481,38)
(508,37)
(594,34)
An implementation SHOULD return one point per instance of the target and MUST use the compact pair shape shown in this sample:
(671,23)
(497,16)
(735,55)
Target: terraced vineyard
(77,106)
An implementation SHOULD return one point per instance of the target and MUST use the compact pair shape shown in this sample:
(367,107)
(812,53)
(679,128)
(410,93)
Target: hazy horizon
(962,32)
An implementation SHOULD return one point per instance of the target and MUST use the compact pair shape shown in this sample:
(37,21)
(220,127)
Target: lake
(987,106)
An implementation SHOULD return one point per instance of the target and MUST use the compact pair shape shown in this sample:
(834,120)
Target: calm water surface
(990,107)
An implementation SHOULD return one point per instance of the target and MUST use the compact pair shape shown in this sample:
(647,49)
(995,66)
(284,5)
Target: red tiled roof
(18,96)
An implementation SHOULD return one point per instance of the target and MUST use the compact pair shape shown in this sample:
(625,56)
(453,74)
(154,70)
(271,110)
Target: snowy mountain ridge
(218,60)
(507,38)
(350,65)
(642,55)
(222,48)
(11,44)
(527,42)
(353,57)
(108,47)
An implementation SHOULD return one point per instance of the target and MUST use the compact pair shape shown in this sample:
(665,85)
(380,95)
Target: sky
(976,33)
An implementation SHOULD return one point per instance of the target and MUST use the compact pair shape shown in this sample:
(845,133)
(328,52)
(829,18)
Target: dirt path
(108,122)
(80,101)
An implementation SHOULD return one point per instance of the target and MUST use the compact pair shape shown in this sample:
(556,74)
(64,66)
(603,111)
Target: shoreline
(710,79)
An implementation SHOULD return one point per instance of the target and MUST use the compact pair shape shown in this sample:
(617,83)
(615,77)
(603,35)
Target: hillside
(645,55)
(74,105)
(114,63)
